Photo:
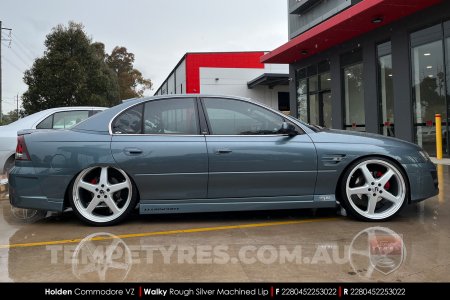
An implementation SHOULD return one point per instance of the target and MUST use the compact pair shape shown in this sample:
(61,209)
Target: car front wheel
(374,189)
(102,196)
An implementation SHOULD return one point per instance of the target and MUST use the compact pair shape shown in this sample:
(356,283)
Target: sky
(158,32)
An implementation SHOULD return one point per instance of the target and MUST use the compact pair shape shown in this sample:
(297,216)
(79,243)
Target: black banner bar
(225,290)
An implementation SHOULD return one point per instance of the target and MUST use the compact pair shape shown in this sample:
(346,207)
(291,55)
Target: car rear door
(159,144)
(248,157)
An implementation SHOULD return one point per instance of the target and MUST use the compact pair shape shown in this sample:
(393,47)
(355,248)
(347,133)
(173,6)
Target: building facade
(380,66)
(230,73)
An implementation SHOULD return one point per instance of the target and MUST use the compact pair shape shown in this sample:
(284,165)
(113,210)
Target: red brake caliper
(387,185)
(94,180)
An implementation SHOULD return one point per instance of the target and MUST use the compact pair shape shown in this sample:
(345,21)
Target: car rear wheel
(374,189)
(102,196)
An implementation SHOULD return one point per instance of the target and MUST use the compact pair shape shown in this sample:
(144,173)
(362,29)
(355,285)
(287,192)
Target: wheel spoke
(385,178)
(388,196)
(119,186)
(104,175)
(87,186)
(367,174)
(112,205)
(360,190)
(92,205)
(371,205)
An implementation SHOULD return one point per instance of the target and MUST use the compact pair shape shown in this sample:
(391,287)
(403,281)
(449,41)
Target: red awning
(349,23)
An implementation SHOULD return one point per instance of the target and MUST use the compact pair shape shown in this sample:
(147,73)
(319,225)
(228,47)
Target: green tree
(131,82)
(10,117)
(71,72)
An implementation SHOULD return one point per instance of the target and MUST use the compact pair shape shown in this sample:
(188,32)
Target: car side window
(47,123)
(171,116)
(68,119)
(234,117)
(129,122)
(63,120)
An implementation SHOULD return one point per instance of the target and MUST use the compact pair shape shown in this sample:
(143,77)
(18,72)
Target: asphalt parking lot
(273,246)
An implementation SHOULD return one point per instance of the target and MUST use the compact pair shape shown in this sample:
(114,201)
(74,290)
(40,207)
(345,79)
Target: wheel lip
(90,217)
(391,211)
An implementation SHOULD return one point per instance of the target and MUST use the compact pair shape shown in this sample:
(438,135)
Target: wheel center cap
(102,192)
(376,189)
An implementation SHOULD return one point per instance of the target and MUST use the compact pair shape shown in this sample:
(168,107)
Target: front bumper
(25,191)
(423,181)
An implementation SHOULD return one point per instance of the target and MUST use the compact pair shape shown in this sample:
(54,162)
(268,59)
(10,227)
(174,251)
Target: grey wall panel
(292,91)
(403,112)
(318,13)
(337,108)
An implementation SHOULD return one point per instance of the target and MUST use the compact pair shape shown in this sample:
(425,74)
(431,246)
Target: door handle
(223,151)
(132,151)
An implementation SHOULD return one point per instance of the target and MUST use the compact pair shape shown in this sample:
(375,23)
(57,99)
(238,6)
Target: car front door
(159,144)
(250,157)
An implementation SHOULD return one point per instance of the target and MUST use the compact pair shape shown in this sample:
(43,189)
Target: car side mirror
(289,129)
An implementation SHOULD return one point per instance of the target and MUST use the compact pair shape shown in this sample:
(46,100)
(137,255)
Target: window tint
(63,120)
(46,124)
(172,116)
(129,122)
(233,117)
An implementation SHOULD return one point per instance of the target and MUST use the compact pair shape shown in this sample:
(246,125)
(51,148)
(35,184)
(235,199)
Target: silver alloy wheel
(102,194)
(375,189)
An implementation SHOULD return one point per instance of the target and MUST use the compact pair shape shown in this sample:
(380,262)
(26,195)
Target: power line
(13,65)
(25,62)
(23,50)
(3,39)
(25,46)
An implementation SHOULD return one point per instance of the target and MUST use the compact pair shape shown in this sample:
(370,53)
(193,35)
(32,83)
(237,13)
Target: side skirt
(235,204)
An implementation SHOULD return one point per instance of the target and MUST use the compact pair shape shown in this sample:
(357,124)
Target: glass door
(353,90)
(355,118)
(325,101)
(385,89)
(314,94)
(429,86)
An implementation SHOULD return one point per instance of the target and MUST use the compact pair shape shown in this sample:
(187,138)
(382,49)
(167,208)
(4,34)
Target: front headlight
(424,155)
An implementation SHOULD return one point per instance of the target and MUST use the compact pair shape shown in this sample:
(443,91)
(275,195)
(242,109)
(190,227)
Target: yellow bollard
(438,136)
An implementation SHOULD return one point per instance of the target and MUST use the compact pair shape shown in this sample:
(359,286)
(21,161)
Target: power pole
(17,106)
(1,30)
